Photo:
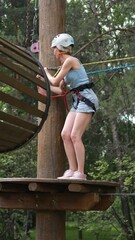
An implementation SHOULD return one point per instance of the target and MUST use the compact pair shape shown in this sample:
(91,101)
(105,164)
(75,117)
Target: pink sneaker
(79,176)
(67,174)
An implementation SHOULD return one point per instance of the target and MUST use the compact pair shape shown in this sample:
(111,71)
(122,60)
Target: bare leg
(68,144)
(81,122)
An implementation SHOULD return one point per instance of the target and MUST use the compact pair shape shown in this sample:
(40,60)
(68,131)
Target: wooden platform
(53,194)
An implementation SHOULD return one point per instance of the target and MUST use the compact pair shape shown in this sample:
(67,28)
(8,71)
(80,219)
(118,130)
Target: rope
(99,62)
(57,72)
(88,73)
(111,69)
(26,43)
(34,33)
(109,61)
(64,95)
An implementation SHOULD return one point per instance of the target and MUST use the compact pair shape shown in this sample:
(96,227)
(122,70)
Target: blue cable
(111,69)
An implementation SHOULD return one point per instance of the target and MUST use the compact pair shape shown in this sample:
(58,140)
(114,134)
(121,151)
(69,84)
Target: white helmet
(64,42)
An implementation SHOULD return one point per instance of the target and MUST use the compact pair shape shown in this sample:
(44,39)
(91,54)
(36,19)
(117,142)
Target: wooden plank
(18,121)
(49,201)
(12,146)
(9,187)
(21,87)
(74,187)
(104,203)
(61,181)
(14,48)
(21,59)
(5,144)
(103,183)
(56,195)
(4,148)
(13,134)
(79,188)
(20,104)
(21,71)
(20,180)
(43,187)
(96,183)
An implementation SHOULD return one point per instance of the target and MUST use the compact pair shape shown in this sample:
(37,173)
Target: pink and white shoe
(67,174)
(79,176)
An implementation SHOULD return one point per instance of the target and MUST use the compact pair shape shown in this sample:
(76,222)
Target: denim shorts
(80,106)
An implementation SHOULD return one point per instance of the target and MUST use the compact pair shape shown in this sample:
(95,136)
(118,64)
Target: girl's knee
(74,137)
(65,136)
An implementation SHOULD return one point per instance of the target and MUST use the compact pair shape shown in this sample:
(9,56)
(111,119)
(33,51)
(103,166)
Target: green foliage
(98,229)
(13,14)
(20,163)
(15,224)
(110,139)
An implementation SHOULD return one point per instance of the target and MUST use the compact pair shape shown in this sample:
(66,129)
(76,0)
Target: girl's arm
(59,89)
(55,89)
(67,65)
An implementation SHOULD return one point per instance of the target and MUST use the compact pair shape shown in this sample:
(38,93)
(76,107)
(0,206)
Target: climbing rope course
(95,64)
(18,64)
(109,61)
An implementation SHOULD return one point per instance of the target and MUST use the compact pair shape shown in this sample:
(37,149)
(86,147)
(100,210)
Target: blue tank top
(77,77)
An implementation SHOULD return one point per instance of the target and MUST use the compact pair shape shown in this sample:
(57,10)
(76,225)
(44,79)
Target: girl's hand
(39,77)
(46,69)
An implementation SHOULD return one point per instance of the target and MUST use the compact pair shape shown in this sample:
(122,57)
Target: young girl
(85,104)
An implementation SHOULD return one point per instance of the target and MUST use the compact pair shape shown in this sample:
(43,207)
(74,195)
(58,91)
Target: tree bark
(51,155)
(50,225)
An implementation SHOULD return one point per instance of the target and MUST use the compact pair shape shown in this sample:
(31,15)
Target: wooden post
(50,225)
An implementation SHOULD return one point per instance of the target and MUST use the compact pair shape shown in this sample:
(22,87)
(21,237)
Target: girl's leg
(68,144)
(81,122)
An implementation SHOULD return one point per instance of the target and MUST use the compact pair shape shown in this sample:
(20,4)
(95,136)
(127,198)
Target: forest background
(104,31)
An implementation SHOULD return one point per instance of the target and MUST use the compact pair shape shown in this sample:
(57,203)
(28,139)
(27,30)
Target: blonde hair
(65,49)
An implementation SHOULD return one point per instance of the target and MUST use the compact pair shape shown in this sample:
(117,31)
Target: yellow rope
(108,61)
(99,62)
(57,72)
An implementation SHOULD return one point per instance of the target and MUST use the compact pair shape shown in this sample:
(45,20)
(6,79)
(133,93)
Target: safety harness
(80,97)
(77,91)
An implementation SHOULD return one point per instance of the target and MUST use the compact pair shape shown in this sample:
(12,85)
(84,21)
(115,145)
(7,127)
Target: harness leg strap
(86,100)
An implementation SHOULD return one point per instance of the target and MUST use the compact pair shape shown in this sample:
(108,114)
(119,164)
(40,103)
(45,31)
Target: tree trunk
(80,234)
(51,155)
(50,225)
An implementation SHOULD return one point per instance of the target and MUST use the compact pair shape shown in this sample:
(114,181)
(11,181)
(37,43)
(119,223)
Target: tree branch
(102,34)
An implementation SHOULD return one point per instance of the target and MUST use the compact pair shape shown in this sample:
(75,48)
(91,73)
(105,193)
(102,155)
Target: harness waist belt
(82,87)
